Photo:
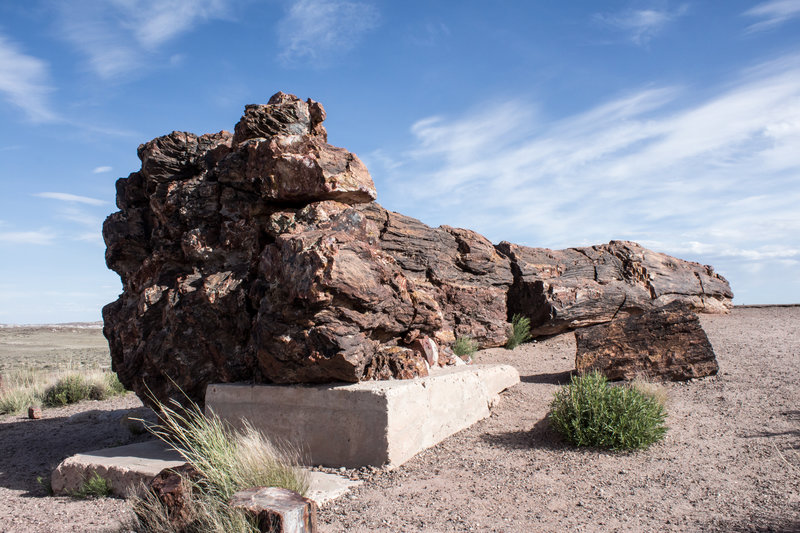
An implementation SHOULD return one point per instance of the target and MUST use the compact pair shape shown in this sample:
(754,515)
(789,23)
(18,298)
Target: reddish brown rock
(277,510)
(457,269)
(173,488)
(34,413)
(666,343)
(560,290)
(261,256)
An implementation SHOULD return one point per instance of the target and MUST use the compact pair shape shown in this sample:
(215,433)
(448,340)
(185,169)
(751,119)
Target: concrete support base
(368,423)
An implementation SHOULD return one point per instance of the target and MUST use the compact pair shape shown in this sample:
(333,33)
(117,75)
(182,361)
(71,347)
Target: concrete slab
(369,423)
(124,467)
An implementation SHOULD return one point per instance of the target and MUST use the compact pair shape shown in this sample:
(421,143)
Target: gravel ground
(730,460)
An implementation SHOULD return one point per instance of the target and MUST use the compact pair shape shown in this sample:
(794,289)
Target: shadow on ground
(555,378)
(34,448)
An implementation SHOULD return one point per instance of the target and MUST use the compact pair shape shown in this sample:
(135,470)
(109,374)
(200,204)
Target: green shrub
(93,487)
(29,387)
(71,388)
(227,459)
(464,346)
(520,331)
(589,412)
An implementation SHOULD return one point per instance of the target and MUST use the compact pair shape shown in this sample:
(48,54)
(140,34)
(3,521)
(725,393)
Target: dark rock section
(666,343)
(560,290)
(457,269)
(261,256)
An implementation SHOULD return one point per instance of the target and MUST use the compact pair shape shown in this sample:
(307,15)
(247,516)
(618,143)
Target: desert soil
(730,460)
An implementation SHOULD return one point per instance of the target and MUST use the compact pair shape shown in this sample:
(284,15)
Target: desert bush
(73,388)
(227,459)
(93,487)
(590,412)
(464,346)
(70,388)
(28,387)
(520,331)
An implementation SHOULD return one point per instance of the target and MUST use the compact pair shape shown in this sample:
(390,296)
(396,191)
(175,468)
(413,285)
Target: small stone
(34,413)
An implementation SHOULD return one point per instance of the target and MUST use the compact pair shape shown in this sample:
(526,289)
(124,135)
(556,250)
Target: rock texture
(261,256)
(560,290)
(666,343)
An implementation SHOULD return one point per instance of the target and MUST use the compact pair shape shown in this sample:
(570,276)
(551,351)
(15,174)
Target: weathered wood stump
(666,343)
(278,510)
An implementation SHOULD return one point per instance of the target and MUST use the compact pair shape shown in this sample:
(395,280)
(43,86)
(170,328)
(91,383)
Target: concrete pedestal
(369,423)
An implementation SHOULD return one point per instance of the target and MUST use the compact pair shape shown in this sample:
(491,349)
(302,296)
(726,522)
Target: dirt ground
(730,460)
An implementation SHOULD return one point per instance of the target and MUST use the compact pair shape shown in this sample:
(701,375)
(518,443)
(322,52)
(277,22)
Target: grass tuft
(93,487)
(28,387)
(465,347)
(73,388)
(520,331)
(589,412)
(227,459)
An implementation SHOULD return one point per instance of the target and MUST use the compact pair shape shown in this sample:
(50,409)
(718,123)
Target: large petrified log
(262,256)
(666,343)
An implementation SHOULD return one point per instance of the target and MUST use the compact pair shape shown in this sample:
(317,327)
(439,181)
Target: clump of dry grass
(26,387)
(648,387)
(227,459)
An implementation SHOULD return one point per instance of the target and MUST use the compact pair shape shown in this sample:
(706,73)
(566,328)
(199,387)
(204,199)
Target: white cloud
(24,82)
(317,31)
(66,197)
(718,179)
(41,237)
(100,170)
(120,36)
(772,14)
(641,25)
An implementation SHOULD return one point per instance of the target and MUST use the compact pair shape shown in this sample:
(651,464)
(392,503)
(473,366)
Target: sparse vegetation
(227,459)
(27,387)
(73,387)
(21,389)
(465,347)
(93,487)
(590,412)
(520,331)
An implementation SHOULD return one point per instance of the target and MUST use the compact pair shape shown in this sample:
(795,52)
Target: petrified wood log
(277,510)
(666,343)
(560,290)
(261,256)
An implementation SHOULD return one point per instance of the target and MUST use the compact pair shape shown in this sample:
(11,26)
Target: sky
(545,123)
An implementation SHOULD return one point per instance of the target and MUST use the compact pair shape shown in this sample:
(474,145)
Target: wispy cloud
(42,237)
(101,170)
(772,14)
(317,31)
(24,82)
(719,178)
(641,25)
(120,36)
(74,198)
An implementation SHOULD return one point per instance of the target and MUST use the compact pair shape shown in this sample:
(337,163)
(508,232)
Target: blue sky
(553,124)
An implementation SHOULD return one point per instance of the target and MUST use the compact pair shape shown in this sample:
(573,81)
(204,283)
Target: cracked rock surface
(262,256)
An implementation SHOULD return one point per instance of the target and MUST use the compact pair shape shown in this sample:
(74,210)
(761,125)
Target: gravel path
(730,460)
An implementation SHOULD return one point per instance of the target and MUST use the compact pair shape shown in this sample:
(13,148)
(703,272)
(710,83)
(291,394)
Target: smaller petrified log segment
(278,510)
(666,343)
(173,488)
(561,290)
